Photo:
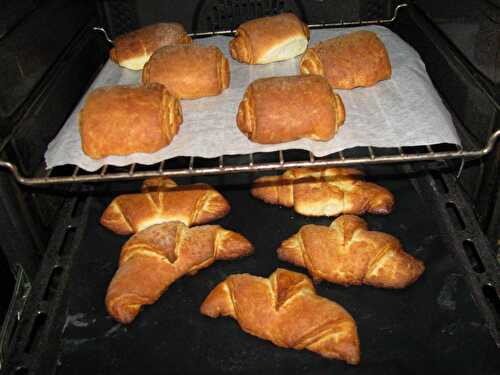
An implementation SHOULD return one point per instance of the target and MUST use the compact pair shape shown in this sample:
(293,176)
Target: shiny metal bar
(102,30)
(429,148)
(160,168)
(372,154)
(369,22)
(250,156)
(212,33)
(75,173)
(311,157)
(132,169)
(311,26)
(221,161)
(282,164)
(103,170)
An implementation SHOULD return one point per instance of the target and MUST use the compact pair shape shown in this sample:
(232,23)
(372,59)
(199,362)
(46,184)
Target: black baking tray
(434,326)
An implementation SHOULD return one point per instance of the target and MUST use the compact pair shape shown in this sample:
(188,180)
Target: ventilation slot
(474,259)
(492,299)
(36,331)
(68,241)
(78,207)
(440,184)
(455,217)
(53,282)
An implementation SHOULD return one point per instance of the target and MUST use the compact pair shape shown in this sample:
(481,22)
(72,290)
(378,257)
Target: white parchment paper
(403,111)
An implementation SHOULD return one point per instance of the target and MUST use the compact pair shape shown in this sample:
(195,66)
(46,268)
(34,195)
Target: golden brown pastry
(122,120)
(348,253)
(283,109)
(163,201)
(286,310)
(153,259)
(188,71)
(324,192)
(349,61)
(133,50)
(269,39)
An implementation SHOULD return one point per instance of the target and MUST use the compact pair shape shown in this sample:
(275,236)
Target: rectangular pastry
(121,120)
(133,50)
(188,71)
(358,59)
(283,109)
(269,39)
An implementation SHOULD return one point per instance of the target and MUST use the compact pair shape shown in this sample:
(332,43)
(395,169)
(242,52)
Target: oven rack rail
(196,166)
(250,163)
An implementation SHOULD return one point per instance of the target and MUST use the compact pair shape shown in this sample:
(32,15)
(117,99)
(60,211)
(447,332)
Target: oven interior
(57,260)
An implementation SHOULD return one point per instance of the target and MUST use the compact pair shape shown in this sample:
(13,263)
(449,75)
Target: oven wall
(48,57)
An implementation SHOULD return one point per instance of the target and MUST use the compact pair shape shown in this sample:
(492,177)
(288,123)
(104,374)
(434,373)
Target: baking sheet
(432,327)
(403,111)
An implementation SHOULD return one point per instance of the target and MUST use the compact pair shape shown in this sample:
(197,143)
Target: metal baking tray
(445,323)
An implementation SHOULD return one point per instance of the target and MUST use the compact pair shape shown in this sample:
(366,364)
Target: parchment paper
(403,111)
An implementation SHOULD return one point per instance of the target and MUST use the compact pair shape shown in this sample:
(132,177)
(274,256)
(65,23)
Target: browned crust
(358,59)
(283,109)
(347,253)
(189,71)
(286,310)
(144,41)
(324,192)
(256,37)
(164,202)
(153,259)
(122,120)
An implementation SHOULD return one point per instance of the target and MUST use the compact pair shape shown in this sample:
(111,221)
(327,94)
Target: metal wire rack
(277,160)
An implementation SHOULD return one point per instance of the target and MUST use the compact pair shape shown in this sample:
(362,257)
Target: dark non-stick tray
(434,326)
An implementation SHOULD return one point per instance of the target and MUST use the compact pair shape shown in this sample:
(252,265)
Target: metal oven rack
(250,163)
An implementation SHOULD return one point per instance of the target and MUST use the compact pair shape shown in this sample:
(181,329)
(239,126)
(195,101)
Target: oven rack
(270,161)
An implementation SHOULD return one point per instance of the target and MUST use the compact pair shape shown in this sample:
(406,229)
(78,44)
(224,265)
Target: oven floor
(431,327)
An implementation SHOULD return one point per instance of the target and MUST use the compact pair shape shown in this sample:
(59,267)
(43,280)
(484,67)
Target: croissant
(163,201)
(286,310)
(324,192)
(153,259)
(347,253)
